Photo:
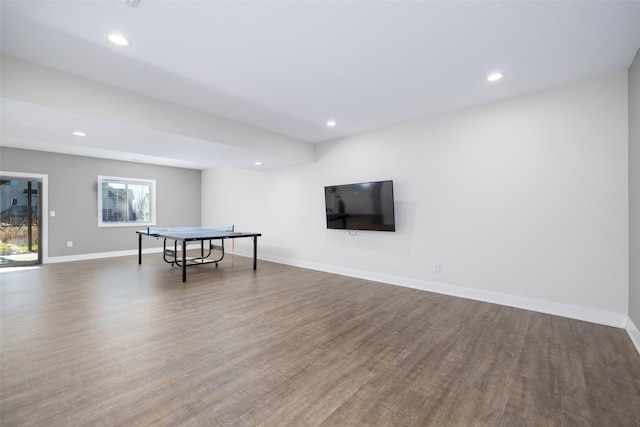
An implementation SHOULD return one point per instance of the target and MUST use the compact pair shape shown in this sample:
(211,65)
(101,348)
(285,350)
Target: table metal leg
(184,260)
(139,248)
(255,251)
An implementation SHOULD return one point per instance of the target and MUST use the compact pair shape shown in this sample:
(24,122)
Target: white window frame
(127,181)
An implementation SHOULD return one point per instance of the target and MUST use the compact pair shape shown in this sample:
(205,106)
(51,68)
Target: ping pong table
(184,235)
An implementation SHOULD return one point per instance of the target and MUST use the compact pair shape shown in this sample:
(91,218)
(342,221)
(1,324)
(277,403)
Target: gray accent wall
(72,195)
(634,191)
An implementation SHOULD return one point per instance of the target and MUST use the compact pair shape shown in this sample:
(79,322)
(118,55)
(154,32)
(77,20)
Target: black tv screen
(362,206)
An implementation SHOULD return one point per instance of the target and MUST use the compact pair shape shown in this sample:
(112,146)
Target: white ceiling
(289,66)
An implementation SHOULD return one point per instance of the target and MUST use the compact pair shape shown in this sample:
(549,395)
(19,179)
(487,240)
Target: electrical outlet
(69,244)
(52,213)
(436,268)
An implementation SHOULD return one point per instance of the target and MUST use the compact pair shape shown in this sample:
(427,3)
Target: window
(126,201)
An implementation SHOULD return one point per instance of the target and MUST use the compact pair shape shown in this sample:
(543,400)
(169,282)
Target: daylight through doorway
(20,221)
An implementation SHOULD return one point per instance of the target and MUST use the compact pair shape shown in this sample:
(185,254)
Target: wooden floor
(108,342)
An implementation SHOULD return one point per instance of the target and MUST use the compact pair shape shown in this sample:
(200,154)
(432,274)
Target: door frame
(44,217)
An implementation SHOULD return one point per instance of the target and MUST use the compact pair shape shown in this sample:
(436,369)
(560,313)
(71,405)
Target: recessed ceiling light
(257,163)
(331,123)
(495,77)
(118,39)
(78,133)
(131,3)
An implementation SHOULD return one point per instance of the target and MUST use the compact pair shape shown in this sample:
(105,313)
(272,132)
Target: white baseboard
(84,257)
(97,255)
(634,333)
(592,315)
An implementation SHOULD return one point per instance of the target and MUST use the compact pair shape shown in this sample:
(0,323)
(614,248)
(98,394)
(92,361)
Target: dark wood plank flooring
(108,342)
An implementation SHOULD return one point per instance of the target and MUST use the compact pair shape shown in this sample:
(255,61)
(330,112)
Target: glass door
(20,228)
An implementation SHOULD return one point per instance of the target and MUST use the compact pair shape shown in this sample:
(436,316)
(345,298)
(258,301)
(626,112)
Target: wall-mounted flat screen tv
(362,206)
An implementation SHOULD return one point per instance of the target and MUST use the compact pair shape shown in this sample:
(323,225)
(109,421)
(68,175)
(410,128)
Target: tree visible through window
(126,201)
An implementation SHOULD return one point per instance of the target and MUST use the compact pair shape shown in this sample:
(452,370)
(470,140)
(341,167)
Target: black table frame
(184,261)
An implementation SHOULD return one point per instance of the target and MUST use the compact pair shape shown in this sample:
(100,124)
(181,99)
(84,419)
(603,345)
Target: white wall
(634,195)
(522,202)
